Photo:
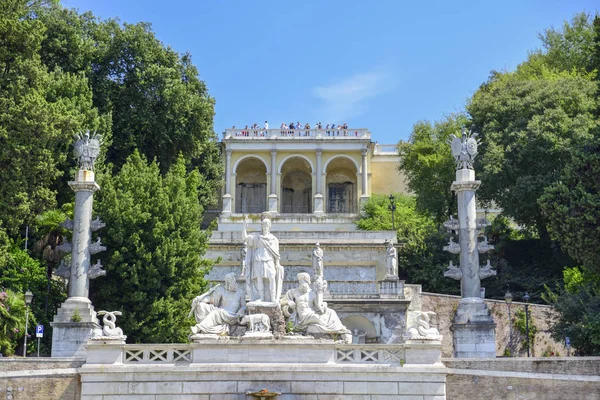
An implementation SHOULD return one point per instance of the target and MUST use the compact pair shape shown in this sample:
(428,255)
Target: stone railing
(385,149)
(157,354)
(261,133)
(164,354)
(369,354)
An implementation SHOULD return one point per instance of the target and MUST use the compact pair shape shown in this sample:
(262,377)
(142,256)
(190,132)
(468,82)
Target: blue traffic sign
(568,341)
(39,331)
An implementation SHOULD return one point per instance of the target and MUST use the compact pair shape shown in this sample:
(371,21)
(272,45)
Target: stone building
(313,183)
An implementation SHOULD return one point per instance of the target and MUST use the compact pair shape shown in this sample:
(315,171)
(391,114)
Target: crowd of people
(295,129)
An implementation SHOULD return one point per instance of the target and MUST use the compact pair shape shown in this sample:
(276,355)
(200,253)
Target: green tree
(529,124)
(40,111)
(12,320)
(429,167)
(578,304)
(420,256)
(573,47)
(572,206)
(154,260)
(157,103)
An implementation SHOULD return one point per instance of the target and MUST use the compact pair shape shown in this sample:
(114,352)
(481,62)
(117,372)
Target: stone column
(76,319)
(364,179)
(227,198)
(472,326)
(84,188)
(318,199)
(273,196)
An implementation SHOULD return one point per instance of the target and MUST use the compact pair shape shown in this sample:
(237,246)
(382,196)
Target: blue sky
(381,65)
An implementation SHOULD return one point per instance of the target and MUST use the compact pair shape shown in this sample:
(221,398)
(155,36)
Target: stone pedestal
(227,205)
(474,330)
(391,288)
(318,209)
(422,352)
(273,204)
(273,310)
(72,327)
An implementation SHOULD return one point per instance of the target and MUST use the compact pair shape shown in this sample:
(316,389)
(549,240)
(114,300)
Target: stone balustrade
(385,149)
(260,133)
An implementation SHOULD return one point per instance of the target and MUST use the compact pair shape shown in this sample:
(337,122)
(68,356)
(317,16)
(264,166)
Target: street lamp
(526,298)
(508,299)
(392,207)
(28,299)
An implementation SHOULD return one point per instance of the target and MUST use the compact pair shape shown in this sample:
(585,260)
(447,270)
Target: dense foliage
(420,256)
(429,167)
(62,73)
(539,163)
(154,264)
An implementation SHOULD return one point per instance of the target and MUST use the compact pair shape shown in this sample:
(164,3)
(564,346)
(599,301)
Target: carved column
(364,179)
(318,200)
(273,196)
(79,284)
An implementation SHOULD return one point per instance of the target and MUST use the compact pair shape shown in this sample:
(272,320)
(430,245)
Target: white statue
(423,329)
(391,260)
(243,255)
(317,260)
(257,322)
(109,330)
(219,308)
(264,273)
(311,315)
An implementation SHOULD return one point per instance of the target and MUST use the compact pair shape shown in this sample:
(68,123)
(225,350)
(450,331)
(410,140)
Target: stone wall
(541,317)
(523,378)
(40,379)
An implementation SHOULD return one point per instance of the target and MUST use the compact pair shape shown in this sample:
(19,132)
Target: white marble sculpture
(423,329)
(109,331)
(309,314)
(243,255)
(257,322)
(317,260)
(219,308)
(391,260)
(264,273)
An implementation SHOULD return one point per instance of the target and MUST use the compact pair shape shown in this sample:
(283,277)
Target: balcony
(296,134)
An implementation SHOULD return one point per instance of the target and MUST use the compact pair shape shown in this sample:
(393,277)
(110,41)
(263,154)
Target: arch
(250,185)
(284,160)
(341,185)
(362,325)
(239,160)
(341,156)
(296,185)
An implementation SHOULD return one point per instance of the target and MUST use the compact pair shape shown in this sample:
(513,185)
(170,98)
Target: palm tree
(12,320)
(49,227)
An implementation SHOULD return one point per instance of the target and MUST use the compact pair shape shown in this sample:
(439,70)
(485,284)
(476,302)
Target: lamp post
(508,299)
(392,207)
(28,299)
(526,298)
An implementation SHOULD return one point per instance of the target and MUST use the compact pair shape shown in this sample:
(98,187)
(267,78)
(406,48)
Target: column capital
(228,151)
(273,152)
(319,151)
(365,152)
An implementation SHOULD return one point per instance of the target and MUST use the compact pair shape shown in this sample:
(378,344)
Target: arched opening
(251,186)
(341,186)
(296,186)
(363,330)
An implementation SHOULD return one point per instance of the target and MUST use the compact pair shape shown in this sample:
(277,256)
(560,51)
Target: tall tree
(529,121)
(428,165)
(40,111)
(158,104)
(153,263)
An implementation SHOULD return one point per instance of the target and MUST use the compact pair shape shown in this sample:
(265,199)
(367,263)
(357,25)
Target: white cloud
(347,98)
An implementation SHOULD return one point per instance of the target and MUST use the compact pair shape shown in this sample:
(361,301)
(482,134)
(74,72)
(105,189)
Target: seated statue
(309,314)
(219,308)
